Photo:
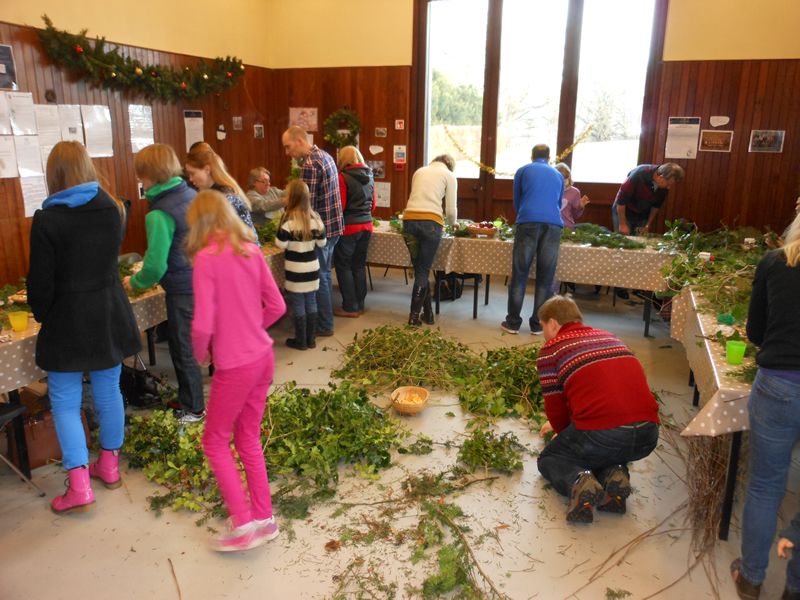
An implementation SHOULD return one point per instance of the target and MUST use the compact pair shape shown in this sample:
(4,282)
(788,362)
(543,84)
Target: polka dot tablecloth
(388,248)
(723,398)
(274,257)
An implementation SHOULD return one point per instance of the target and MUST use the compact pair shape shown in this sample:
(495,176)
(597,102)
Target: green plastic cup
(734,352)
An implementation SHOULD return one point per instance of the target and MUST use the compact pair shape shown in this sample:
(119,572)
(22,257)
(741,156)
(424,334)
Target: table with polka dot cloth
(275,261)
(723,397)
(388,248)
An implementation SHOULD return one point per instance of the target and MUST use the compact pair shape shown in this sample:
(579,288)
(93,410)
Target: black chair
(9,412)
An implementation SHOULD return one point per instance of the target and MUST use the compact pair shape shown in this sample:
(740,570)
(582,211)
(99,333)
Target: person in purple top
(572,203)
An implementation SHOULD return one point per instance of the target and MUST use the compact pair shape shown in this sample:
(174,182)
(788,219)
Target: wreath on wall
(109,69)
(342,128)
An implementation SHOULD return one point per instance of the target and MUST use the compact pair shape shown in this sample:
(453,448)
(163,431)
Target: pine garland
(107,68)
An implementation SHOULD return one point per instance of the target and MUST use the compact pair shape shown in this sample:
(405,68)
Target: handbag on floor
(139,387)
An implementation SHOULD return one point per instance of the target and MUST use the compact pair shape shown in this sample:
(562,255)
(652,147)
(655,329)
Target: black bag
(139,387)
(450,287)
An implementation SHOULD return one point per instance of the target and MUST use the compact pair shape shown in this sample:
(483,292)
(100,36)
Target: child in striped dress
(301,231)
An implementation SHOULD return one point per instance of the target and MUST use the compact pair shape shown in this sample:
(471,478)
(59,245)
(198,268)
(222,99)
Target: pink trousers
(235,406)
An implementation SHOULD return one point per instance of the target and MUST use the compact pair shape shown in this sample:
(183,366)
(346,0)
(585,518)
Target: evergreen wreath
(109,69)
(342,119)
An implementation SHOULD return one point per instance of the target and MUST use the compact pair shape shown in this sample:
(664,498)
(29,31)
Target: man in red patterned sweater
(598,403)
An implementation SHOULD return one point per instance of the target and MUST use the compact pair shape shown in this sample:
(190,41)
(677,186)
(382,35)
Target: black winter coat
(74,288)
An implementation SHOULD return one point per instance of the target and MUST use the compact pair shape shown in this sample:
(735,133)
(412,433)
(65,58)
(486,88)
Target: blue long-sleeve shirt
(537,193)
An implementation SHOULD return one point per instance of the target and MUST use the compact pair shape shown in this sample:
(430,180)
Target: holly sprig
(106,67)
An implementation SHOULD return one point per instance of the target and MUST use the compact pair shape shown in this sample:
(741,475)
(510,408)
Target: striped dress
(301,264)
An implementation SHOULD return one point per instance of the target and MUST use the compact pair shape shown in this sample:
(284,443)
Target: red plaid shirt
(318,171)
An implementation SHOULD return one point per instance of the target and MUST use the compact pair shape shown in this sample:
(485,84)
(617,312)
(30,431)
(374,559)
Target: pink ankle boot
(78,497)
(106,469)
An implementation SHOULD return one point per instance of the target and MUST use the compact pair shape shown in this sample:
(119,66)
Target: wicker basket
(476,231)
(407,408)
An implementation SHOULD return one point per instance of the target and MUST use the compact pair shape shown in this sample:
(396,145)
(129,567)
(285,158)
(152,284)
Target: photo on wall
(766,140)
(713,140)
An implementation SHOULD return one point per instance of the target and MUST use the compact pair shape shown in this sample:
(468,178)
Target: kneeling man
(598,403)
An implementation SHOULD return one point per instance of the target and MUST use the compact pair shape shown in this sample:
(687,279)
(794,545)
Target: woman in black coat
(87,322)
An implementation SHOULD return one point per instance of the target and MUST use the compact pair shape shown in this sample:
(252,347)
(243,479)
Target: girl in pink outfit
(236,300)
(572,203)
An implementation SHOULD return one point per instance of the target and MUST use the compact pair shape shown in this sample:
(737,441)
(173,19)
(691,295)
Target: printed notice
(69,119)
(34,193)
(5,116)
(49,127)
(682,136)
(20,107)
(97,129)
(383,194)
(193,121)
(29,158)
(140,118)
(8,157)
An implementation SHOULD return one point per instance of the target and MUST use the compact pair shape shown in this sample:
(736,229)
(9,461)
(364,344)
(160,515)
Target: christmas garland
(343,119)
(109,69)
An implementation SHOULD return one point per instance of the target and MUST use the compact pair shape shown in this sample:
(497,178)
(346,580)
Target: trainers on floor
(586,493)
(186,417)
(617,488)
(508,329)
(537,330)
(267,528)
(240,538)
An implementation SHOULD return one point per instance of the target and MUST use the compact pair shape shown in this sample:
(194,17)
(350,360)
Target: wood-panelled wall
(379,95)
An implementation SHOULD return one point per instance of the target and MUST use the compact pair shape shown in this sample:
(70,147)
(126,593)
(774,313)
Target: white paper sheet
(97,129)
(683,134)
(34,192)
(140,118)
(69,118)
(5,116)
(193,121)
(49,128)
(29,157)
(8,157)
(383,194)
(23,121)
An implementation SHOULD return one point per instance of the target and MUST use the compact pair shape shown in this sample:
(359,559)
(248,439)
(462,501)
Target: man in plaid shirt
(318,171)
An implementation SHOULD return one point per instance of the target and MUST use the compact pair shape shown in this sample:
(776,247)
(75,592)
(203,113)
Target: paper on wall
(49,128)
(8,157)
(5,116)
(97,130)
(193,122)
(34,193)
(383,194)
(29,157)
(69,118)
(20,108)
(682,137)
(140,118)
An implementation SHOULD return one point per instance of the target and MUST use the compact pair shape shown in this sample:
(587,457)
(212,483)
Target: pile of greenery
(484,449)
(126,270)
(595,235)
(268,231)
(305,435)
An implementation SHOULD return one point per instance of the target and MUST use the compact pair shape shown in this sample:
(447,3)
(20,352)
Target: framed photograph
(380,132)
(766,140)
(258,131)
(378,168)
(237,123)
(713,140)
(305,117)
(8,69)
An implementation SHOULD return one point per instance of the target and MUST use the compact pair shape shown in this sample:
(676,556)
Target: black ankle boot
(417,299)
(311,330)
(298,342)
(427,309)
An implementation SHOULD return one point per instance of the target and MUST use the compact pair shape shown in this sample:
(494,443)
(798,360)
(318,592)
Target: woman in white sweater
(423,221)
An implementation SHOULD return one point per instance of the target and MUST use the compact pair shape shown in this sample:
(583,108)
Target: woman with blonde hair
(300,233)
(206,171)
(236,301)
(773,324)
(165,262)
(357,190)
(87,321)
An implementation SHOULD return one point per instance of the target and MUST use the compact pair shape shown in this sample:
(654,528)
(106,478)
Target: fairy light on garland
(493,171)
(92,62)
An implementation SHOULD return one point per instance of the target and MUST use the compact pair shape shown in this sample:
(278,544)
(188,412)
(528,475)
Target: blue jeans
(635,221)
(532,240)
(428,236)
(575,450)
(180,311)
(350,259)
(325,291)
(774,410)
(66,390)
(302,303)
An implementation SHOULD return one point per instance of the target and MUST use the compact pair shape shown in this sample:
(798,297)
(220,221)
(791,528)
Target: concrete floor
(121,550)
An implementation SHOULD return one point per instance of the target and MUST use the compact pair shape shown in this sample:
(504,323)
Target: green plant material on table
(268,231)
(587,233)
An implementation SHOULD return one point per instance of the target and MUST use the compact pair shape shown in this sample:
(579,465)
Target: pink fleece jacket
(235,301)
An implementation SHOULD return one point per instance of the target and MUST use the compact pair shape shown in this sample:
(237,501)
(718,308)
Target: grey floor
(121,550)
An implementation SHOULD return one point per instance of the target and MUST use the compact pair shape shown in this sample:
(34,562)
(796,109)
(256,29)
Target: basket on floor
(409,399)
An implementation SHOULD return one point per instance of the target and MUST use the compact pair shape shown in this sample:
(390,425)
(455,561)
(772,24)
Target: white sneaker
(240,538)
(508,329)
(267,528)
(186,417)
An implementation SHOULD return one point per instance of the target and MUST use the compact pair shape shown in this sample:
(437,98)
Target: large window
(503,75)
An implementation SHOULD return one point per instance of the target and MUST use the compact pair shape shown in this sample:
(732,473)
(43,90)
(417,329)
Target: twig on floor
(697,561)
(573,568)
(175,578)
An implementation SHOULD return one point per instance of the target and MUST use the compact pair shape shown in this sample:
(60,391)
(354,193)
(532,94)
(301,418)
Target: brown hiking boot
(617,486)
(586,493)
(744,589)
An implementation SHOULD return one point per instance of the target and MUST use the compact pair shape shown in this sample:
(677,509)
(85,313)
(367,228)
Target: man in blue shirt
(537,201)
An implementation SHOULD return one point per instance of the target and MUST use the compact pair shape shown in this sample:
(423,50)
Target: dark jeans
(542,242)
(422,239)
(350,260)
(635,221)
(180,309)
(575,450)
(302,304)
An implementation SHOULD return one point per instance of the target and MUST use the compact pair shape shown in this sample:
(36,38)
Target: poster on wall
(49,128)
(20,111)
(140,119)
(8,157)
(29,157)
(8,70)
(766,140)
(305,117)
(97,130)
(383,194)
(69,119)
(193,122)
(682,136)
(34,193)
(716,140)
